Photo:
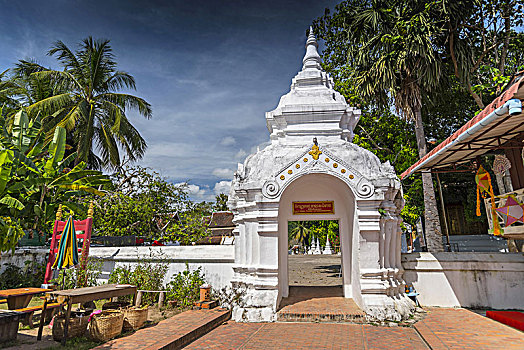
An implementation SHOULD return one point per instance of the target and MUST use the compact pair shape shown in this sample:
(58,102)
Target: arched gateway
(311,159)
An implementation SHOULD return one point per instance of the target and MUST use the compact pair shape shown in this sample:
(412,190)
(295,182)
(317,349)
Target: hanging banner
(313,207)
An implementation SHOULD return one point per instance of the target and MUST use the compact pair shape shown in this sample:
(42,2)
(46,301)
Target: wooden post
(446,227)
(138,298)
(161,300)
(67,317)
(42,320)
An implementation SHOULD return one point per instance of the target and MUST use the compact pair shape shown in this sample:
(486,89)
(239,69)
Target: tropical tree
(389,46)
(35,178)
(89,105)
(483,42)
(299,231)
(221,202)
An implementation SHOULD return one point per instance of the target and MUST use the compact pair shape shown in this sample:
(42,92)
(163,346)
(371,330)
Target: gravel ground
(314,270)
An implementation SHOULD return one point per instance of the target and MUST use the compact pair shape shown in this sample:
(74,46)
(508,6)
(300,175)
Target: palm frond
(51,104)
(127,101)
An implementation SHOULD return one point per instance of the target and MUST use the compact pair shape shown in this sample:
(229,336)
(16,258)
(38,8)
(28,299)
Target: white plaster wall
(487,280)
(21,256)
(216,261)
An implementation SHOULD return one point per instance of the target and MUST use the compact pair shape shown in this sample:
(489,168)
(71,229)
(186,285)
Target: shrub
(145,275)
(31,275)
(185,286)
(77,277)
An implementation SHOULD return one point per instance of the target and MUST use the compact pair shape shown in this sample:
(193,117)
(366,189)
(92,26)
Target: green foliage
(31,275)
(143,203)
(185,286)
(441,56)
(221,202)
(35,178)
(79,277)
(484,42)
(305,232)
(146,274)
(84,98)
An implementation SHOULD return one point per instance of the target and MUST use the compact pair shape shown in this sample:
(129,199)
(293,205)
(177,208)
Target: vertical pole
(448,246)
(42,319)
(161,300)
(67,318)
(138,298)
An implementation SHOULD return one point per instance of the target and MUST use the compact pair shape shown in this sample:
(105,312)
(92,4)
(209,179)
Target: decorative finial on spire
(312,58)
(311,40)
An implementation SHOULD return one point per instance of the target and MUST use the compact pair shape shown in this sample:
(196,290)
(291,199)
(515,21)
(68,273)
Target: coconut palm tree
(390,47)
(89,105)
(299,231)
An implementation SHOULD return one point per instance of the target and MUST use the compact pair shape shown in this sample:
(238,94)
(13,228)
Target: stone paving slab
(319,304)
(463,329)
(267,336)
(172,333)
(441,329)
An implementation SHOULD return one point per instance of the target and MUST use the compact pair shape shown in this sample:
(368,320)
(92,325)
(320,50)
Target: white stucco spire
(311,58)
(312,108)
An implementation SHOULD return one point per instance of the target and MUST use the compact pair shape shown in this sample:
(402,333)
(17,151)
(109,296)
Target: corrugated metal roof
(492,136)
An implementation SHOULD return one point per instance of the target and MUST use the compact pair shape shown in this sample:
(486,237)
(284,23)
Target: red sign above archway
(313,207)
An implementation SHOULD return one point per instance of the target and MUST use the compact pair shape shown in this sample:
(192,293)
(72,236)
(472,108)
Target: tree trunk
(432,227)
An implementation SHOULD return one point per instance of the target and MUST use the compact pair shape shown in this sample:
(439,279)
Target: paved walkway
(267,336)
(319,304)
(172,333)
(441,329)
(464,329)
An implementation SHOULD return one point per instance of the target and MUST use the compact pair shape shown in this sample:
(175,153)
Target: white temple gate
(311,158)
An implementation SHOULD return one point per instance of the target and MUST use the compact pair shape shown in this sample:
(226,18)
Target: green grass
(81,343)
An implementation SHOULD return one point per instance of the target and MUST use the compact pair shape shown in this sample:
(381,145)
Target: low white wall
(216,260)
(483,280)
(22,255)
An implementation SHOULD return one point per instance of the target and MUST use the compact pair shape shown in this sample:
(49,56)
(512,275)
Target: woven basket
(135,317)
(77,327)
(106,325)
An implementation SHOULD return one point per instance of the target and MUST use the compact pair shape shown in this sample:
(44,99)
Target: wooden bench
(161,297)
(29,311)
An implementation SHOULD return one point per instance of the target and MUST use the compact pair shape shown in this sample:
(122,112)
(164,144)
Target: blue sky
(210,69)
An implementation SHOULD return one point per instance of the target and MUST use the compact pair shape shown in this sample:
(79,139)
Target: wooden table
(83,295)
(19,298)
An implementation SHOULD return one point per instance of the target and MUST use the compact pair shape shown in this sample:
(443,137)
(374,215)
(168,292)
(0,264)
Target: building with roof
(498,130)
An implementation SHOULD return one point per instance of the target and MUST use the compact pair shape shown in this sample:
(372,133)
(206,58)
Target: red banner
(315,207)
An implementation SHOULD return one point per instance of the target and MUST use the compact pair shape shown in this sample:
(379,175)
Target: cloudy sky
(210,69)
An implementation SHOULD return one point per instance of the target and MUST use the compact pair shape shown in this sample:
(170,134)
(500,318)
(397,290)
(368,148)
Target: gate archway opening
(314,188)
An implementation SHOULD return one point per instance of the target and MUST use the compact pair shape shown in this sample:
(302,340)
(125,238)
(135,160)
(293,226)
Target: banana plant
(36,177)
